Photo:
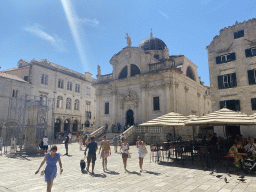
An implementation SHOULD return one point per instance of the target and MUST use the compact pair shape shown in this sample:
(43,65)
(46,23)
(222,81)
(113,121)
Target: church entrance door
(129,117)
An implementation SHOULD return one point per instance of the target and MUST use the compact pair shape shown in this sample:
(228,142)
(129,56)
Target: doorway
(129,117)
(56,127)
(75,126)
(67,125)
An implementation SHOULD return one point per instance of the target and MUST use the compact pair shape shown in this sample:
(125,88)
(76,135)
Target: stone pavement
(18,174)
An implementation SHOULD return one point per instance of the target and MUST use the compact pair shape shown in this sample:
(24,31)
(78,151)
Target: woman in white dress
(139,145)
(125,148)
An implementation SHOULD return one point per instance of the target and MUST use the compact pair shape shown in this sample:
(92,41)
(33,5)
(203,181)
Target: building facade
(146,83)
(232,68)
(71,91)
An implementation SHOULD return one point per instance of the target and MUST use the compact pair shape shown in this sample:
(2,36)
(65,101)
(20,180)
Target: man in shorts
(93,147)
(45,144)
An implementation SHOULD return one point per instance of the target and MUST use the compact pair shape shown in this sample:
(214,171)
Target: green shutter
(248,52)
(218,60)
(251,77)
(222,104)
(234,80)
(220,82)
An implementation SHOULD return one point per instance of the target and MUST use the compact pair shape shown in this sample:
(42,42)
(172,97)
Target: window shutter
(248,52)
(218,60)
(220,82)
(237,105)
(234,80)
(251,77)
(222,104)
(233,56)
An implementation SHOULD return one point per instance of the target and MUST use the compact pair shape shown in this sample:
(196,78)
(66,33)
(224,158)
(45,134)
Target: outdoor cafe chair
(155,153)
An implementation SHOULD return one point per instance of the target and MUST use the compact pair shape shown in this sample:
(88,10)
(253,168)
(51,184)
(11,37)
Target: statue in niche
(98,71)
(129,41)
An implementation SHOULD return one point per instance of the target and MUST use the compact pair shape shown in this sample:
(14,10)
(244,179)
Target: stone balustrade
(98,132)
(157,66)
(106,77)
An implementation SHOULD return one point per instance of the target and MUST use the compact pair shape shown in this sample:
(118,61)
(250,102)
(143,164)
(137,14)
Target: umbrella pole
(174,135)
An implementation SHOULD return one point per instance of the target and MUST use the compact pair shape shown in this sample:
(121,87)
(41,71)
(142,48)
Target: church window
(156,57)
(25,78)
(156,103)
(76,106)
(252,76)
(68,103)
(77,88)
(238,34)
(123,73)
(106,108)
(59,101)
(250,52)
(230,104)
(44,79)
(225,58)
(134,70)
(69,86)
(15,93)
(227,81)
(60,83)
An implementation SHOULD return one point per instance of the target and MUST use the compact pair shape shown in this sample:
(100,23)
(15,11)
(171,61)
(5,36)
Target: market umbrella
(223,117)
(169,119)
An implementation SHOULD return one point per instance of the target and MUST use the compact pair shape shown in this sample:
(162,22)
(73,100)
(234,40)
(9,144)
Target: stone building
(232,68)
(72,93)
(146,82)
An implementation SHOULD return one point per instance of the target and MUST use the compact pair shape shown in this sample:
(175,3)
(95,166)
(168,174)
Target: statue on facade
(98,71)
(129,41)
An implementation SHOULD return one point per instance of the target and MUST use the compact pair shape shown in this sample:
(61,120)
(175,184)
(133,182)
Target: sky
(81,34)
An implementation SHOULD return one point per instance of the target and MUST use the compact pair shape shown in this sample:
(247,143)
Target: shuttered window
(250,52)
(156,104)
(253,102)
(238,34)
(227,81)
(225,58)
(106,108)
(252,76)
(230,104)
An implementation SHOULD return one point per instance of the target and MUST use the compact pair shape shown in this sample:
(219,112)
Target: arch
(190,73)
(75,126)
(67,125)
(123,73)
(57,126)
(134,70)
(129,117)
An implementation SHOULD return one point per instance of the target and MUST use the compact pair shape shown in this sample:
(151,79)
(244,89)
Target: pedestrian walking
(125,149)
(115,143)
(80,140)
(105,153)
(70,137)
(45,144)
(50,171)
(140,145)
(93,147)
(66,143)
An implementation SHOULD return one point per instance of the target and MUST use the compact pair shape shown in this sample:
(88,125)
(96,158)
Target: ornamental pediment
(128,95)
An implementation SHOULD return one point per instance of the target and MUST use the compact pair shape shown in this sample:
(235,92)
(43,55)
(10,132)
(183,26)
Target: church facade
(146,82)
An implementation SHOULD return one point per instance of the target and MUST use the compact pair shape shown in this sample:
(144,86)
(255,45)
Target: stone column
(144,105)
(168,98)
(128,70)
(114,107)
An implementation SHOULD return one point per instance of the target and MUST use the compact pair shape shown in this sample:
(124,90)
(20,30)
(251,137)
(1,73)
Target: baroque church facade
(146,82)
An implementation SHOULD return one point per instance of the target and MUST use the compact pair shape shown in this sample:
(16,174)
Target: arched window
(190,73)
(76,106)
(123,73)
(59,101)
(68,103)
(134,70)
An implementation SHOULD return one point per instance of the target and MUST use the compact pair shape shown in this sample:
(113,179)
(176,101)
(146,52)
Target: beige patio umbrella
(223,116)
(170,119)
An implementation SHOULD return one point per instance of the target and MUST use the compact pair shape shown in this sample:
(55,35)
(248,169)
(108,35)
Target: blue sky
(81,34)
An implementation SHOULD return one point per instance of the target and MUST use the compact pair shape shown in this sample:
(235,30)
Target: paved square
(18,174)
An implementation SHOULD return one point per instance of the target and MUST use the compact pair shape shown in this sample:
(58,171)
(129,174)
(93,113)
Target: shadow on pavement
(153,173)
(99,175)
(133,172)
(112,172)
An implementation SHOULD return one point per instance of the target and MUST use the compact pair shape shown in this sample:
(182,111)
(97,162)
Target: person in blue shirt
(93,147)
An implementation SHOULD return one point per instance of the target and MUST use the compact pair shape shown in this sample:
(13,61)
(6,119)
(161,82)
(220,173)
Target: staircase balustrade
(98,132)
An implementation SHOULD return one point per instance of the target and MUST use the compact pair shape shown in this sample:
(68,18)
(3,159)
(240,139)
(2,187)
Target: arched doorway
(75,126)
(67,125)
(57,127)
(129,117)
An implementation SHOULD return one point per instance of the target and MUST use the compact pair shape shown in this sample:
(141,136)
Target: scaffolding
(29,119)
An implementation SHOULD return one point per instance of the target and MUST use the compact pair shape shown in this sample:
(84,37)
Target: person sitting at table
(251,147)
(215,140)
(234,152)
(204,142)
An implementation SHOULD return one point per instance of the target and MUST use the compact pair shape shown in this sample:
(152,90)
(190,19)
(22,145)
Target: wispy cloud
(54,39)
(72,19)
(162,13)
(92,22)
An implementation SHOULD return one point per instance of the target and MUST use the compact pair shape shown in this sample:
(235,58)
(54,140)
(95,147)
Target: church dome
(152,43)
